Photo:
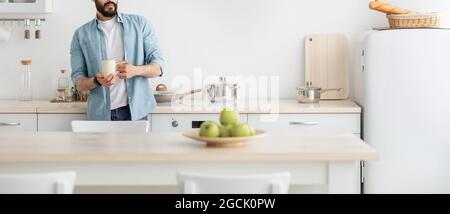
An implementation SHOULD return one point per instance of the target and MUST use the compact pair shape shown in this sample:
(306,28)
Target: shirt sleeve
(152,50)
(78,63)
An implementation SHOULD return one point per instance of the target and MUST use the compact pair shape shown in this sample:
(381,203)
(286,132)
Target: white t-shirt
(115,51)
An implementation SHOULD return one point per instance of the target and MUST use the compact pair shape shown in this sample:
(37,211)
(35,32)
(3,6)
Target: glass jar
(64,83)
(26,90)
(37,27)
(27,32)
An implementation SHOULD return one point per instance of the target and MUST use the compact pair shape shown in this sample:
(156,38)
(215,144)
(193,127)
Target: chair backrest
(45,183)
(110,126)
(277,183)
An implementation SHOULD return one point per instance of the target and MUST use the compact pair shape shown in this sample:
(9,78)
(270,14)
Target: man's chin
(109,13)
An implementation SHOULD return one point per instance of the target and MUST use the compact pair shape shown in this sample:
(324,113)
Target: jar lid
(26,62)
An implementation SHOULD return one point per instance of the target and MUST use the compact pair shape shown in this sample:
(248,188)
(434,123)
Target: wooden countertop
(41,107)
(260,107)
(158,147)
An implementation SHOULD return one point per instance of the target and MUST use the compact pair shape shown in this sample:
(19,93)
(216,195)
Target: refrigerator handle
(363,61)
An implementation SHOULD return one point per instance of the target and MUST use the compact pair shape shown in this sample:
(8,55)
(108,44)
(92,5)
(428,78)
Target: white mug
(109,67)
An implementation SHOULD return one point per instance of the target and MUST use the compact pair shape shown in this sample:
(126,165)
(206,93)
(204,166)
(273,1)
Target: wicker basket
(420,20)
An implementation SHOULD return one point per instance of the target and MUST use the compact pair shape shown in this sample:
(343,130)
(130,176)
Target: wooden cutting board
(327,64)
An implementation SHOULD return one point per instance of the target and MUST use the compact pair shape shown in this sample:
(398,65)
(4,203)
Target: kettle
(311,94)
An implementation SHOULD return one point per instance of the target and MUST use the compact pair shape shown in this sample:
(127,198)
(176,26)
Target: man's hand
(106,81)
(126,70)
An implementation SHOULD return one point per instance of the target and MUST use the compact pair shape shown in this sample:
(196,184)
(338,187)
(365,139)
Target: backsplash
(220,37)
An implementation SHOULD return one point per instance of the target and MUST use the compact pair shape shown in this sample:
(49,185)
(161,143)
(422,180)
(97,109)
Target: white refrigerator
(405,94)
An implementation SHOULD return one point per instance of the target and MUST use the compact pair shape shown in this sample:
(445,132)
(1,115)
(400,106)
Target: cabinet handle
(304,123)
(175,124)
(9,124)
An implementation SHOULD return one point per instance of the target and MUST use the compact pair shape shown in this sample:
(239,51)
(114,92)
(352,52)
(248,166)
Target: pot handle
(331,89)
(190,93)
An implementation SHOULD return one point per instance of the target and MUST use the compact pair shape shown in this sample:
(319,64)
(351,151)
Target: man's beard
(102,9)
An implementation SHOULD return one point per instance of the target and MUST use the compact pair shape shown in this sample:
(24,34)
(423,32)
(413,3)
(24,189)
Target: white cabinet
(18,122)
(26,6)
(57,122)
(183,122)
(307,123)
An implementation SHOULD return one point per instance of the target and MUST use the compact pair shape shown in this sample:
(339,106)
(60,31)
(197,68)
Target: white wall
(223,37)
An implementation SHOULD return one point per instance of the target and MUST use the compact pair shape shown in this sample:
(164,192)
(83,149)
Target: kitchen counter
(282,107)
(41,107)
(330,163)
(155,147)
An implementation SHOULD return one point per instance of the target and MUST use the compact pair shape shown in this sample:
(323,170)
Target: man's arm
(127,71)
(78,63)
(154,61)
(85,84)
(79,70)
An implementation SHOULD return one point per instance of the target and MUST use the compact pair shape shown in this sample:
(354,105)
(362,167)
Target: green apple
(208,122)
(241,130)
(209,129)
(229,116)
(225,131)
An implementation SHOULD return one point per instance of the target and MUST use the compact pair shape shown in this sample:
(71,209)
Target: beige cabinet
(307,123)
(18,122)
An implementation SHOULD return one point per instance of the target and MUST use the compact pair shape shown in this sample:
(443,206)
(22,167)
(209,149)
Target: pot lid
(223,81)
(309,86)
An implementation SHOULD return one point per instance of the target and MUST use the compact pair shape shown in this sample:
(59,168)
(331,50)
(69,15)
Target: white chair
(233,184)
(110,127)
(45,183)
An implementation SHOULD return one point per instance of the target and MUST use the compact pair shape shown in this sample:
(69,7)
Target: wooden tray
(56,101)
(388,28)
(223,142)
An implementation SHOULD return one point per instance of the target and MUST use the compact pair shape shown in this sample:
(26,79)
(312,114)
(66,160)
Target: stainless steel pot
(222,91)
(311,94)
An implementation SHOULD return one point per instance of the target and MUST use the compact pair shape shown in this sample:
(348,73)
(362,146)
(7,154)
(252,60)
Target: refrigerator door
(407,110)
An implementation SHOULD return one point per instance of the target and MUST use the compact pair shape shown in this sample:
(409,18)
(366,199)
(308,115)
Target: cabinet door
(58,122)
(307,123)
(26,6)
(183,122)
(18,122)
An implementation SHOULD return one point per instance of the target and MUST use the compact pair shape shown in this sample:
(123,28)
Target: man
(131,41)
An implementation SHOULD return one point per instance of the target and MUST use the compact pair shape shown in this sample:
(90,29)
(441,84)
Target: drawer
(18,122)
(58,122)
(183,122)
(307,123)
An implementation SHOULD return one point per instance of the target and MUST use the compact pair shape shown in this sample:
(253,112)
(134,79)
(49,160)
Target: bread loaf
(385,7)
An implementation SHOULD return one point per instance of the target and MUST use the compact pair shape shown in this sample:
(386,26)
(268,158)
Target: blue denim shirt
(141,47)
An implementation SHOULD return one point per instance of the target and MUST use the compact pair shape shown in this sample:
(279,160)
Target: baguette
(385,7)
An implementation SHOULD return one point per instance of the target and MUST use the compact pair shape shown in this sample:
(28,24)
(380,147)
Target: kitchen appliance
(310,93)
(326,64)
(406,97)
(222,91)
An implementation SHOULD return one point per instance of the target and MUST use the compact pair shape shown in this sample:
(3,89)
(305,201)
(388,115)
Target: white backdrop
(223,37)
